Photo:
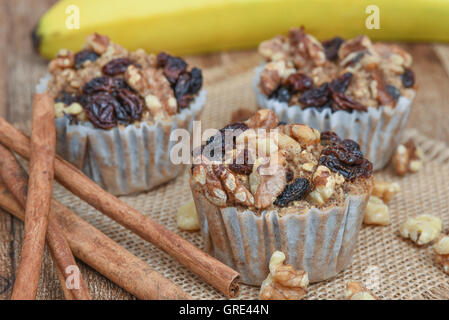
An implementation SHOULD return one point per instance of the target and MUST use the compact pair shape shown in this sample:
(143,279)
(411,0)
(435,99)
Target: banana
(200,26)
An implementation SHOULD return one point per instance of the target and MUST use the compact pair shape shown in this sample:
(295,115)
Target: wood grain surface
(21,68)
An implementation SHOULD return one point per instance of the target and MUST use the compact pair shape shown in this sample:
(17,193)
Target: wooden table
(20,69)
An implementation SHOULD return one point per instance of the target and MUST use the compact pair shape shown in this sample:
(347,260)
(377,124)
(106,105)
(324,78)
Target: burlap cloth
(392,267)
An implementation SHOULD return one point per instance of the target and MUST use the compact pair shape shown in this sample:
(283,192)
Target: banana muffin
(359,89)
(260,186)
(115,111)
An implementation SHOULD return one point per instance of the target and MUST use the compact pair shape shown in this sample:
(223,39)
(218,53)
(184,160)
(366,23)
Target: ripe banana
(199,26)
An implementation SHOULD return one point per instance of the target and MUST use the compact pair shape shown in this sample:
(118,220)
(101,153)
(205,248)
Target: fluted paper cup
(124,160)
(319,242)
(378,130)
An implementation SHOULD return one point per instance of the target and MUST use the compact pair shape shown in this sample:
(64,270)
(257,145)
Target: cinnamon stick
(16,180)
(103,254)
(38,199)
(222,277)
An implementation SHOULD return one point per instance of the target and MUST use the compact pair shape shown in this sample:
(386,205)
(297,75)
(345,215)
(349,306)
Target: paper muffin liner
(124,160)
(319,242)
(378,130)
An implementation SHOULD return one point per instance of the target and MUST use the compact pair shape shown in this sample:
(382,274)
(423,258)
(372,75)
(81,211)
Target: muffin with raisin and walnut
(290,189)
(361,90)
(115,111)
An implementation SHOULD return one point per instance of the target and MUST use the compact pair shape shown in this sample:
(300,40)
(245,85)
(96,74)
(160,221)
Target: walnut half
(422,229)
(408,158)
(385,190)
(377,212)
(283,281)
(187,218)
(355,291)
(441,250)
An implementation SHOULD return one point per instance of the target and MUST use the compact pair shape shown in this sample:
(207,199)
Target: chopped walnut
(283,281)
(97,43)
(325,183)
(152,84)
(441,251)
(273,74)
(408,158)
(376,212)
(187,218)
(385,190)
(235,190)
(64,59)
(305,135)
(272,181)
(274,49)
(263,118)
(421,229)
(355,291)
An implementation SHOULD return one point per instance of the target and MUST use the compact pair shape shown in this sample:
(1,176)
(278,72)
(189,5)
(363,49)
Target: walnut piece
(408,158)
(283,281)
(271,176)
(355,291)
(325,183)
(152,84)
(263,118)
(97,43)
(187,218)
(376,212)
(385,190)
(304,134)
(274,49)
(235,190)
(65,59)
(421,229)
(441,251)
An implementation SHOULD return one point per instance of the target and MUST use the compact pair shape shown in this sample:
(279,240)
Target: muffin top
(261,164)
(107,85)
(337,74)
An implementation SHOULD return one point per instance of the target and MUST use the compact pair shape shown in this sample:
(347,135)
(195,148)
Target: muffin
(115,111)
(361,90)
(262,186)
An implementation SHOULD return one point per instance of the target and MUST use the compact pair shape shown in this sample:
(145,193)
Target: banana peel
(200,26)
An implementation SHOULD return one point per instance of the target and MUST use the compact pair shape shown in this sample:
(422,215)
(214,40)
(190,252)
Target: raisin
(83,56)
(297,190)
(188,83)
(131,103)
(393,91)
(340,84)
(243,168)
(182,85)
(281,94)
(408,78)
(289,176)
(65,97)
(117,66)
(173,66)
(328,137)
(196,80)
(315,97)
(298,82)
(345,157)
(340,101)
(331,48)
(100,110)
(220,137)
(99,84)
(346,103)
